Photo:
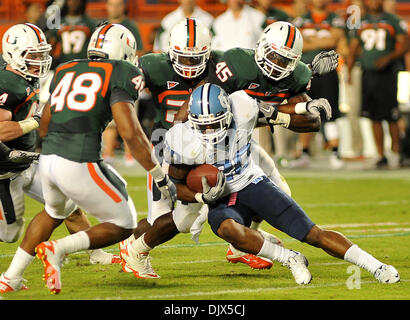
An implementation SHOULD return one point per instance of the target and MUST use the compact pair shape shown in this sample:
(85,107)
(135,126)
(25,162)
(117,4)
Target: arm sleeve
(120,95)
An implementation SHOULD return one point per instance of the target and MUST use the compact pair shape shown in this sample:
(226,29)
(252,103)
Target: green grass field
(371,208)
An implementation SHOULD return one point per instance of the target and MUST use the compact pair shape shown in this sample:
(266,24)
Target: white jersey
(232,156)
(243,31)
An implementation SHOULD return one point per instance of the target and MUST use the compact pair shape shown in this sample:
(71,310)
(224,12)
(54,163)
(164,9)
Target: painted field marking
(256,290)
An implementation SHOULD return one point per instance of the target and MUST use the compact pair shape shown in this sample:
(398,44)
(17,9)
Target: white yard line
(255,290)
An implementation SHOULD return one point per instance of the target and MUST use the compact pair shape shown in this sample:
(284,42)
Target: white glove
(316,105)
(324,62)
(165,185)
(38,113)
(198,224)
(212,194)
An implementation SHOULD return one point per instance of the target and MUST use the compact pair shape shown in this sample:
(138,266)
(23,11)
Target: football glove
(38,112)
(165,185)
(212,194)
(317,105)
(324,62)
(268,114)
(17,156)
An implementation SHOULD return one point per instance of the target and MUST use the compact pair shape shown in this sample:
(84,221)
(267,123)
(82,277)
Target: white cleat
(138,263)
(387,274)
(336,163)
(302,162)
(101,257)
(9,285)
(298,266)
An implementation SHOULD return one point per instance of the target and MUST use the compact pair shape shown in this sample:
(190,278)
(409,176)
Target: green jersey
(20,97)
(319,26)
(72,38)
(82,92)
(233,70)
(377,35)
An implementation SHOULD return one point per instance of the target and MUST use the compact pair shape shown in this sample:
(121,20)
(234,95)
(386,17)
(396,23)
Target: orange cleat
(251,260)
(9,285)
(45,251)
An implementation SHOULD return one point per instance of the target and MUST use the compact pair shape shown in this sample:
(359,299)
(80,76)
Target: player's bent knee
(231,231)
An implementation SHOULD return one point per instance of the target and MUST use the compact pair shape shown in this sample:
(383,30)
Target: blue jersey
(232,156)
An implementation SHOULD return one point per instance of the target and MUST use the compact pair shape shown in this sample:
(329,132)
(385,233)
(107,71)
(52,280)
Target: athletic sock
(255,225)
(18,265)
(275,252)
(362,259)
(131,238)
(139,245)
(73,243)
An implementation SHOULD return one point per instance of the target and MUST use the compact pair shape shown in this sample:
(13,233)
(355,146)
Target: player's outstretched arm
(10,130)
(139,146)
(306,122)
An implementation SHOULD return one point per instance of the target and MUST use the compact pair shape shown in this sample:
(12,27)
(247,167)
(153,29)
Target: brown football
(193,179)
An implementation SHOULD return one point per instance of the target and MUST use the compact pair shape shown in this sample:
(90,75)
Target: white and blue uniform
(251,193)
(182,146)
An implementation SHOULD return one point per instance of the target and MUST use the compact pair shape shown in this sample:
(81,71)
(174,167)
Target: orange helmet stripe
(36,30)
(291,37)
(101,36)
(191,32)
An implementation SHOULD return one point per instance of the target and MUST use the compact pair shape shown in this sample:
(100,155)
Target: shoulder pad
(156,67)
(242,63)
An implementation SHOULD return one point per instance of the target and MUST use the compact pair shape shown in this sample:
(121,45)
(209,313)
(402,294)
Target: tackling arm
(131,132)
(289,116)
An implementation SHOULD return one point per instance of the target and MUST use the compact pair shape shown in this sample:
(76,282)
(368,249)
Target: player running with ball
(218,132)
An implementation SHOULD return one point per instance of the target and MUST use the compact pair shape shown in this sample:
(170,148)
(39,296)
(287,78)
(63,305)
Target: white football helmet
(189,47)
(26,50)
(279,49)
(112,41)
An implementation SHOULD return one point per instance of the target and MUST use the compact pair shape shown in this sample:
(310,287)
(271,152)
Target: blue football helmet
(210,113)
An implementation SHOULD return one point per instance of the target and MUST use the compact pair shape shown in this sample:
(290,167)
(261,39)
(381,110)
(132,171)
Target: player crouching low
(218,132)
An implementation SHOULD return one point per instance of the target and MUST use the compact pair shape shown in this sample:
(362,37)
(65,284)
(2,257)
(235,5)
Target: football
(193,179)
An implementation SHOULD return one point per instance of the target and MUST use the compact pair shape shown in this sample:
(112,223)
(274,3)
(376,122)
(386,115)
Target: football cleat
(387,274)
(137,263)
(234,256)
(8,285)
(45,251)
(298,266)
(101,257)
(124,251)
(302,162)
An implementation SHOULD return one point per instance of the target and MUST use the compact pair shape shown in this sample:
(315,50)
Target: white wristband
(283,119)
(157,173)
(28,125)
(198,197)
(300,108)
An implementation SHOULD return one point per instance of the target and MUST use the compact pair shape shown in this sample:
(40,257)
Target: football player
(84,96)
(26,53)
(218,132)
(70,41)
(272,75)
